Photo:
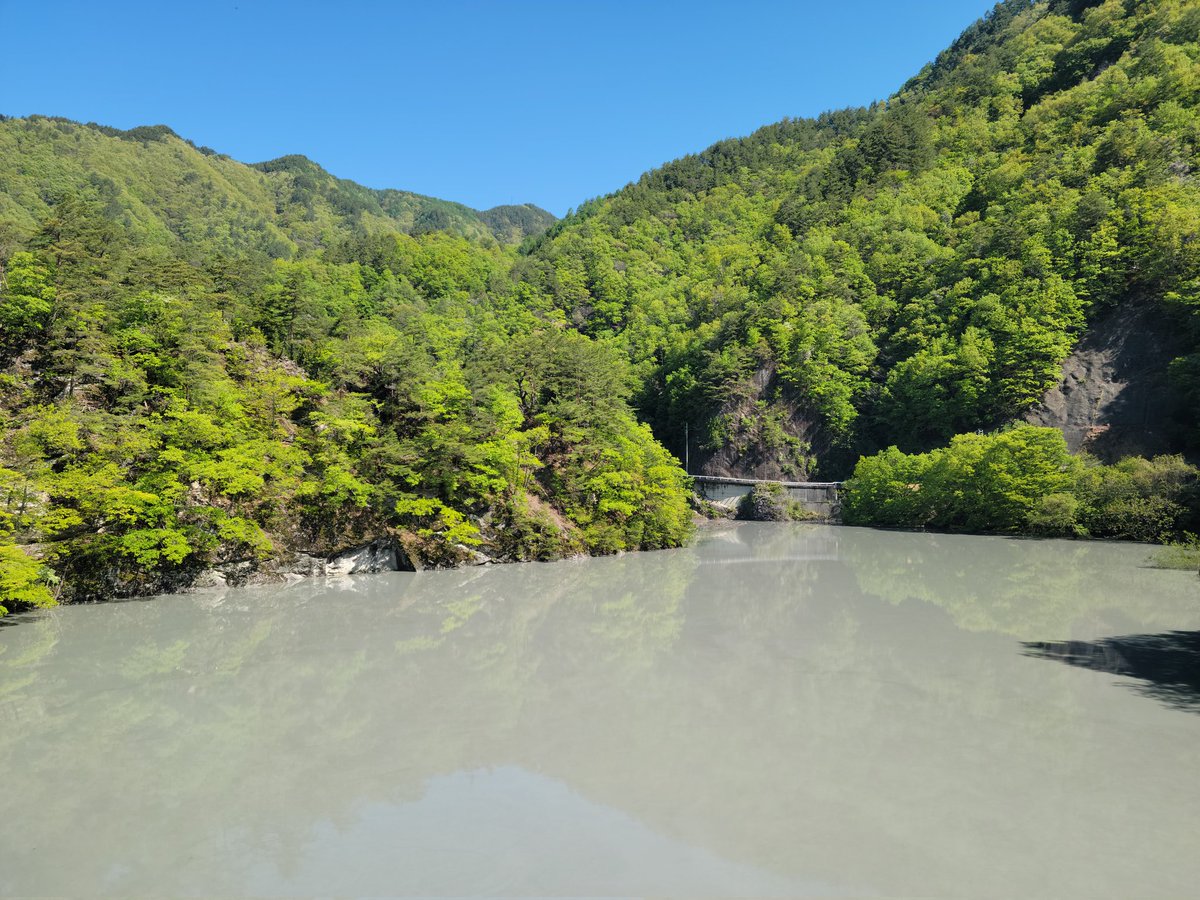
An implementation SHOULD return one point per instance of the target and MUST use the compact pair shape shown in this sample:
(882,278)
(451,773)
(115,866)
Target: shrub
(1056,514)
(23,581)
(1022,480)
(769,502)
(1181,554)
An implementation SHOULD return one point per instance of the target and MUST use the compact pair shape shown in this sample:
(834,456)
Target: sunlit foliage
(920,268)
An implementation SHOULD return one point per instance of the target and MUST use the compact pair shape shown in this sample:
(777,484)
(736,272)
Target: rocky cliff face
(1115,397)
(766,434)
(382,555)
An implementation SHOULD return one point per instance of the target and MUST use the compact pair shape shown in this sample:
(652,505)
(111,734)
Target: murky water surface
(777,711)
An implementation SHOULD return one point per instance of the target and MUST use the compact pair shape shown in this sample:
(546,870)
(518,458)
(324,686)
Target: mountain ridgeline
(206,365)
(217,369)
(159,188)
(901,274)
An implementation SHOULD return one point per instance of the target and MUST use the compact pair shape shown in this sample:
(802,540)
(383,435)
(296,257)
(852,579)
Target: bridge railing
(717,479)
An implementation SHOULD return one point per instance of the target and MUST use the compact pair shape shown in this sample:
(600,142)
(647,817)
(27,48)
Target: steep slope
(514,223)
(1116,397)
(210,370)
(922,268)
(164,189)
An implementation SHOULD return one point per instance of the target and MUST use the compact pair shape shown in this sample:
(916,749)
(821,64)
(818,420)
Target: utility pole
(686,467)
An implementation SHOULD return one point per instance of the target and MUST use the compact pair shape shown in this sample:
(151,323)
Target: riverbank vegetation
(162,413)
(1023,481)
(1182,553)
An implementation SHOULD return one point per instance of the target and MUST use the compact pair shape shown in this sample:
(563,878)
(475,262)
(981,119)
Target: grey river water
(776,711)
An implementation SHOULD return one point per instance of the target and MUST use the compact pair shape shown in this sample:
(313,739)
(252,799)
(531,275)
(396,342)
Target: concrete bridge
(820,497)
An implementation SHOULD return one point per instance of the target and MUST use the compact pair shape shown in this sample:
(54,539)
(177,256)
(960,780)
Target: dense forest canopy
(904,273)
(178,394)
(205,363)
(161,188)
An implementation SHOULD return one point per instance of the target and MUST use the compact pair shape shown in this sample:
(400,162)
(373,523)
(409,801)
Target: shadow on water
(1169,663)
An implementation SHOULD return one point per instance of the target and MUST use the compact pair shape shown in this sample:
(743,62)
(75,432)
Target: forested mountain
(207,364)
(161,188)
(904,273)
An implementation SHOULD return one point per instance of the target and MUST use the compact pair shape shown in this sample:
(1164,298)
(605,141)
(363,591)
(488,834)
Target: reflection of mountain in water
(1169,664)
(728,545)
(1050,589)
(814,711)
(491,817)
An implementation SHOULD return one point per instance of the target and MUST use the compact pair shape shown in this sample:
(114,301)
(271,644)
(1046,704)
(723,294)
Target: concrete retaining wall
(820,497)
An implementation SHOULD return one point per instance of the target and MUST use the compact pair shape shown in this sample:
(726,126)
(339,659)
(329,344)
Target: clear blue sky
(479,102)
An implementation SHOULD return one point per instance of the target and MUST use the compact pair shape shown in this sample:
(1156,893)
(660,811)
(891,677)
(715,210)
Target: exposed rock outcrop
(770,435)
(381,555)
(1115,397)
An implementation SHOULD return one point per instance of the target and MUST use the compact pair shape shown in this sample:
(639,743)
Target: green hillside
(207,366)
(922,268)
(161,188)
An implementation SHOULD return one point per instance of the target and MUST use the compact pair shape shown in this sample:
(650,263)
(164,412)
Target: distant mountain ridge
(168,189)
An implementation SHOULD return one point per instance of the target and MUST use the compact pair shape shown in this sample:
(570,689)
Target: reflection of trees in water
(19,656)
(306,698)
(1018,586)
(267,706)
(696,690)
(1168,664)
